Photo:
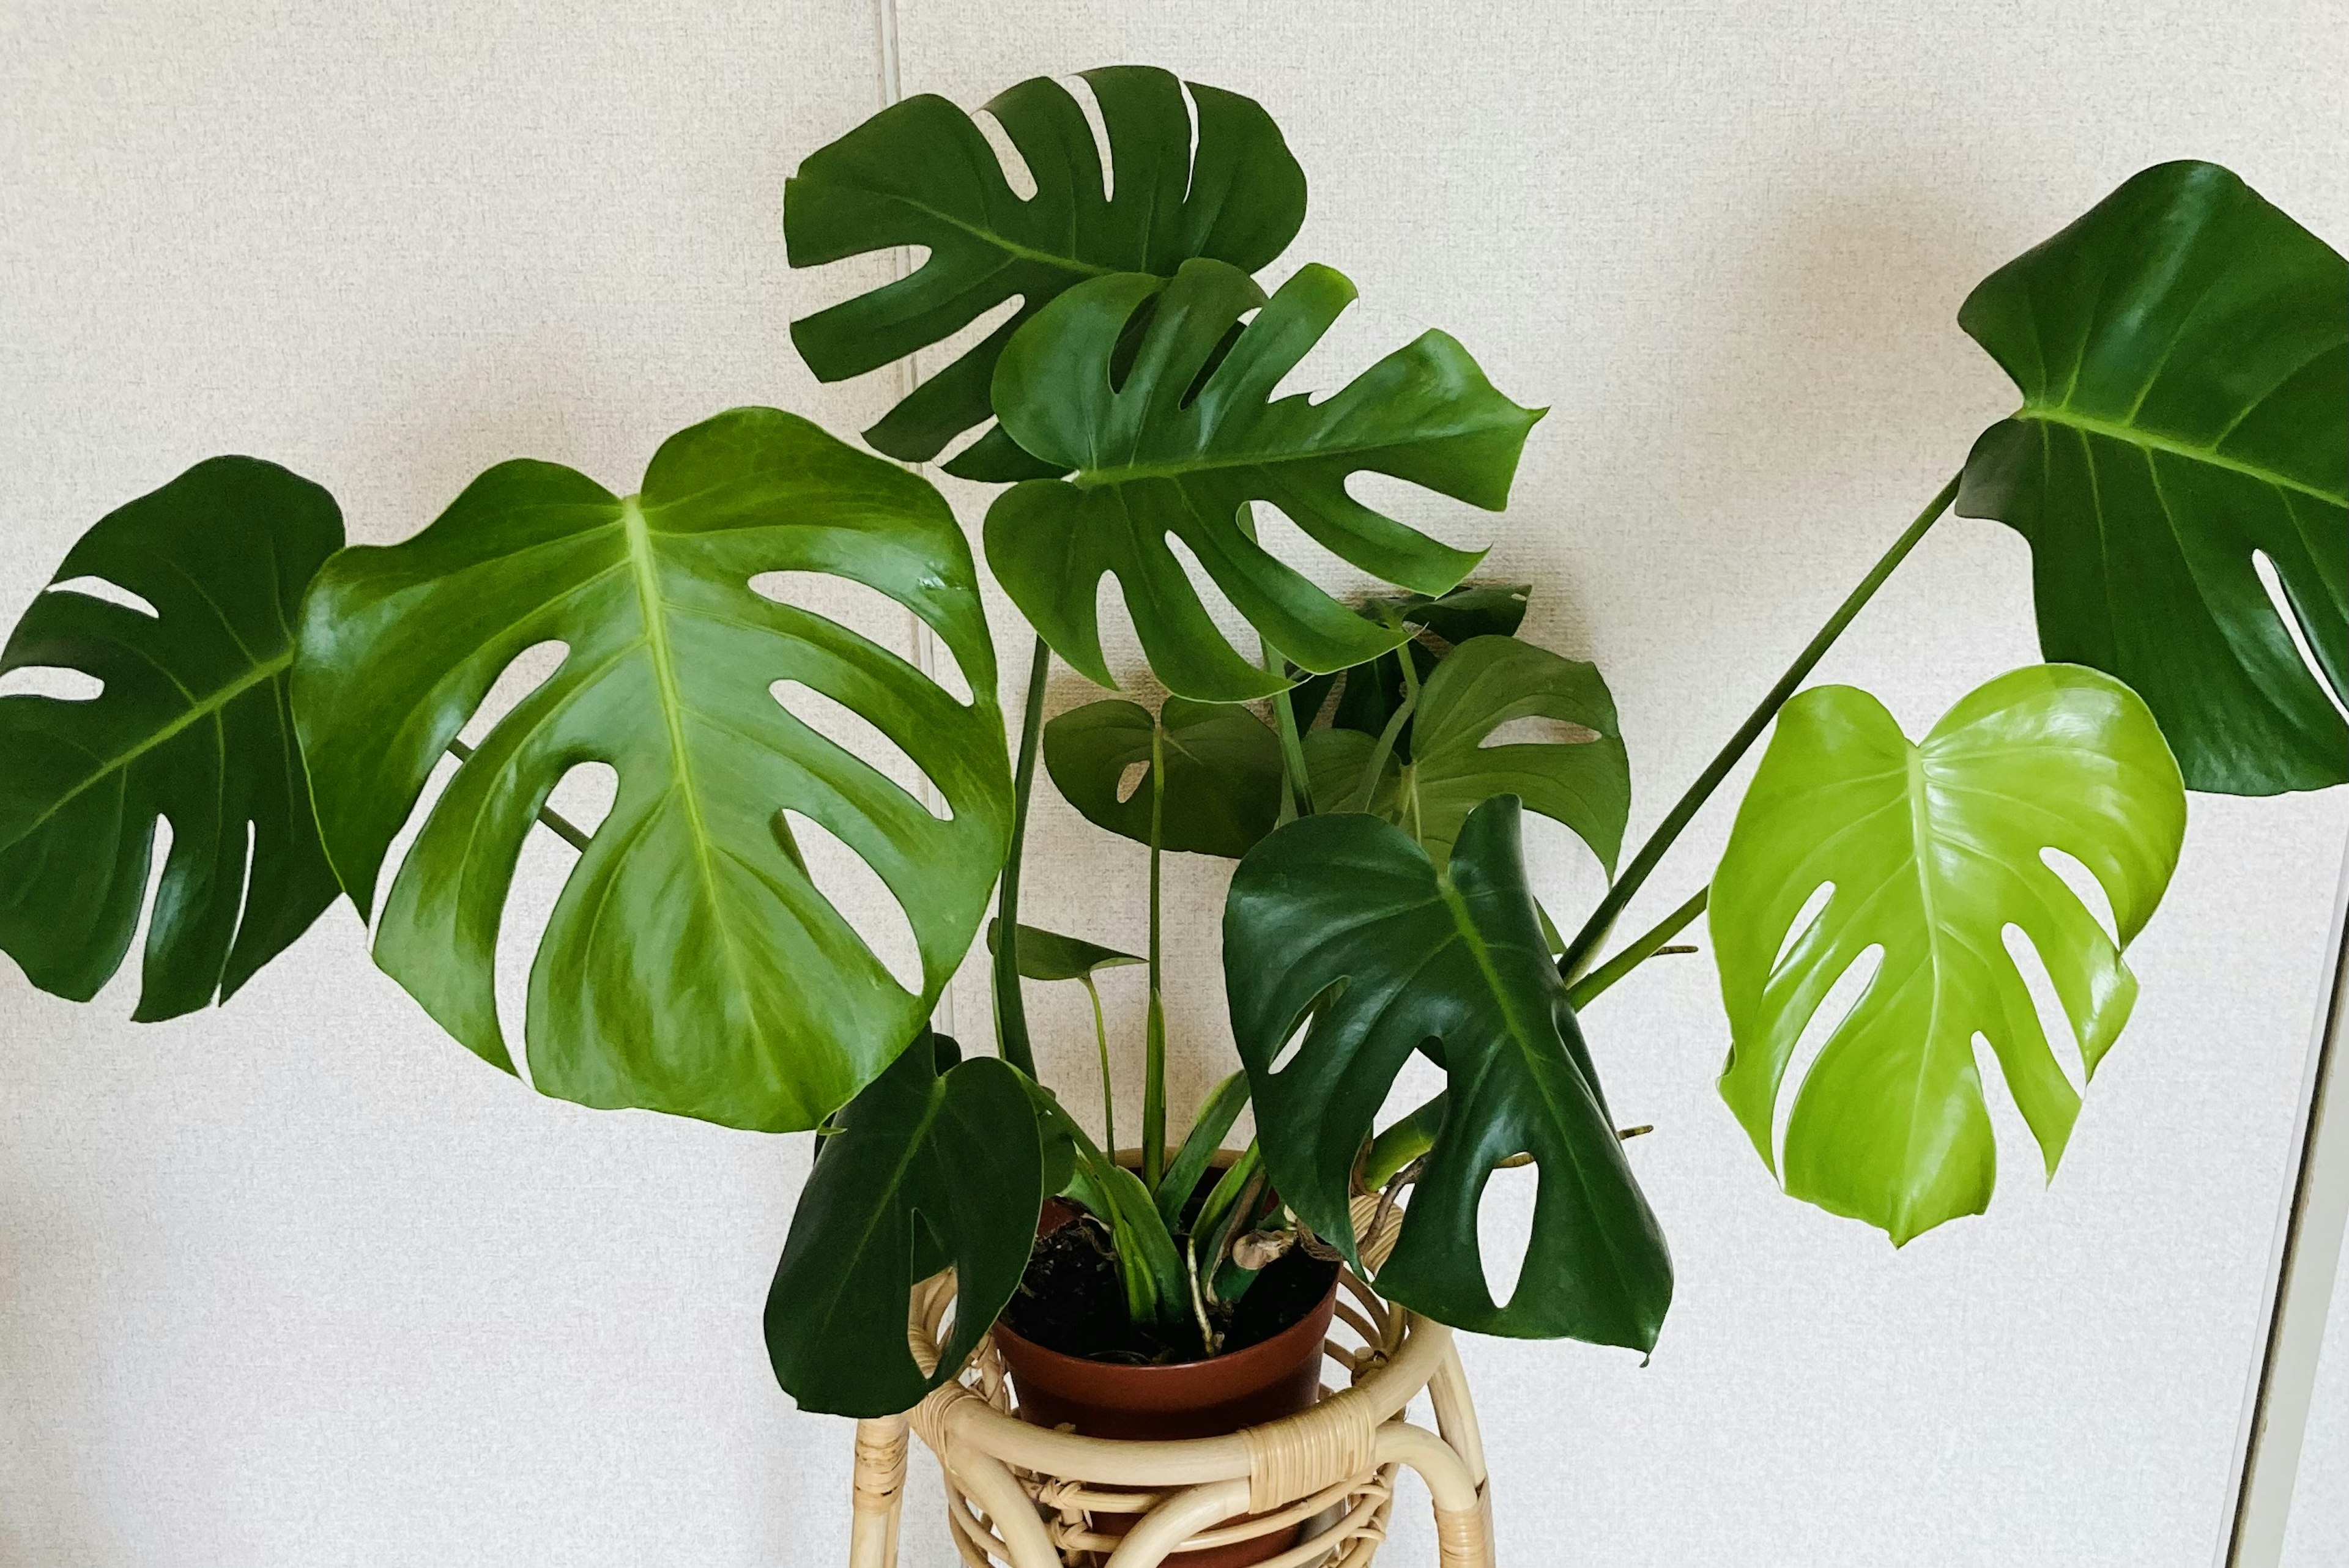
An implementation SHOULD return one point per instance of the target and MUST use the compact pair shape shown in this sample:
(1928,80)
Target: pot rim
(1266,1359)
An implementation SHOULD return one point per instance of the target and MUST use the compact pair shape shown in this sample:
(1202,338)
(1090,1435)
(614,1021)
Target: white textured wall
(300,1281)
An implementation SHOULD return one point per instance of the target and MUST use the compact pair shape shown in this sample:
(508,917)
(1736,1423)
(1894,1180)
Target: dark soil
(1071,1301)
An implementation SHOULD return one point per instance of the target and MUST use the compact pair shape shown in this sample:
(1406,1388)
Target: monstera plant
(291,706)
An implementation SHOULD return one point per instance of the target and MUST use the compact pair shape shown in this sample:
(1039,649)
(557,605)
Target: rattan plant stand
(1025,1497)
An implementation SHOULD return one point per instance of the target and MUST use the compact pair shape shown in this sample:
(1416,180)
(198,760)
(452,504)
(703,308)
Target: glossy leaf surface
(1179,447)
(920,173)
(1343,925)
(2183,354)
(1223,772)
(1049,956)
(930,1169)
(192,726)
(1456,765)
(691,965)
(1933,850)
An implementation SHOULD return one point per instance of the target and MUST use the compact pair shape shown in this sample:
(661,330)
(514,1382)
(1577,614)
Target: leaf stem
(1010,1005)
(1296,782)
(1641,949)
(1153,1085)
(563,827)
(1602,919)
(1101,1042)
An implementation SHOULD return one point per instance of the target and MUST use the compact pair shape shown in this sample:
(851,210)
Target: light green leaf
(1181,445)
(1481,684)
(192,725)
(1223,772)
(2183,354)
(1157,1287)
(1223,1107)
(1049,956)
(921,173)
(691,965)
(931,1167)
(1933,852)
(1342,926)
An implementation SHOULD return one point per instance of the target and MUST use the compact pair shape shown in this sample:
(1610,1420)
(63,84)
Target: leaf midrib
(2137,436)
(203,708)
(1207,462)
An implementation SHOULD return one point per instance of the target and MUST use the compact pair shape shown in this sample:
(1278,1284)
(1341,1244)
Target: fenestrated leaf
(1933,852)
(1342,925)
(2183,354)
(1479,686)
(1188,438)
(1223,772)
(1049,956)
(192,726)
(691,965)
(929,1169)
(921,173)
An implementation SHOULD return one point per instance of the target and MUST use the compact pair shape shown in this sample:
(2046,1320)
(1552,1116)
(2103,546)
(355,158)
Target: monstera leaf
(921,173)
(1187,439)
(1456,765)
(691,965)
(1933,852)
(1223,772)
(2183,353)
(1374,691)
(192,727)
(1341,926)
(935,1164)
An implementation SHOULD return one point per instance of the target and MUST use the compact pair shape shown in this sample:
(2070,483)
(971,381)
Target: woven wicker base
(1023,1497)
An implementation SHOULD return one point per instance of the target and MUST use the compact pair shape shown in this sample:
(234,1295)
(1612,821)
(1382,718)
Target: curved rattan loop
(1025,1496)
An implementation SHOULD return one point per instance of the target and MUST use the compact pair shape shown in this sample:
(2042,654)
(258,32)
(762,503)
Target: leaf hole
(1007,156)
(1237,632)
(2281,603)
(57,682)
(110,593)
(2063,1042)
(1504,1214)
(584,795)
(1288,542)
(542,867)
(862,739)
(1131,781)
(1128,346)
(1537,729)
(1849,989)
(524,673)
(1804,918)
(2084,887)
(862,899)
(1215,360)
(1296,1041)
(1191,150)
(1081,90)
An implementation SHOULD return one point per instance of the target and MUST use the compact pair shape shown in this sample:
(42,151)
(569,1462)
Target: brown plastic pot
(1211,1398)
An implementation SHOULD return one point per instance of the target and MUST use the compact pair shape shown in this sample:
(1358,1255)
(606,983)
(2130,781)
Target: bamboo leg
(989,1483)
(1463,1531)
(1178,1519)
(880,1496)
(1455,1413)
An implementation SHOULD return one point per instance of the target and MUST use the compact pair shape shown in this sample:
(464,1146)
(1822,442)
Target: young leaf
(2183,354)
(1049,956)
(921,173)
(1933,852)
(691,965)
(193,726)
(1188,438)
(1342,926)
(1480,686)
(1157,1287)
(1223,772)
(930,1168)
(1223,1107)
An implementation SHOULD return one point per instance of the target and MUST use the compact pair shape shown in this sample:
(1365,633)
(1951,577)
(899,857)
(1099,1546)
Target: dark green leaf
(192,726)
(1049,956)
(1188,440)
(921,173)
(930,1169)
(1480,686)
(1342,925)
(2183,354)
(1223,772)
(691,965)
(1374,691)
(1934,851)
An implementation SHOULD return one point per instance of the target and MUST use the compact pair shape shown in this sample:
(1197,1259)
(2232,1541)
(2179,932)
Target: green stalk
(1641,949)
(1153,1067)
(1101,1042)
(1380,753)
(1296,783)
(1602,919)
(1010,1006)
